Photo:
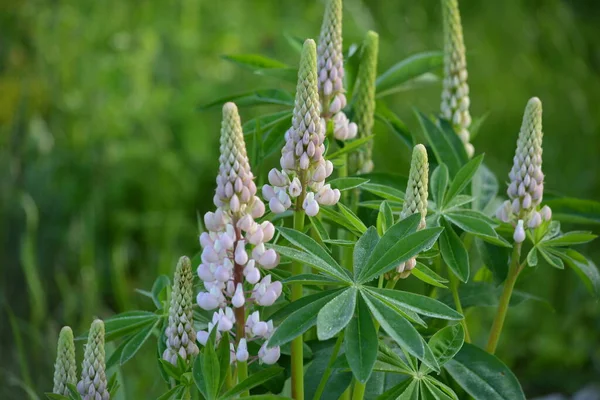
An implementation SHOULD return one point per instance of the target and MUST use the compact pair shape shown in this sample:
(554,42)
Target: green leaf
(255,61)
(364,249)
(336,314)
(385,218)
(405,390)
(126,323)
(399,329)
(428,391)
(159,290)
(340,242)
(445,392)
(495,259)
(319,228)
(211,371)
(288,309)
(198,374)
(300,320)
(485,189)
(463,177)
(171,393)
(56,396)
(115,356)
(352,218)
(485,294)
(439,182)
(361,343)
(265,122)
(254,380)
(445,343)
(441,144)
(570,239)
(483,376)
(224,357)
(350,146)
(477,226)
(136,342)
(532,257)
(453,251)
(312,279)
(170,369)
(578,211)
(384,114)
(407,69)
(255,98)
(425,274)
(584,268)
(312,260)
(384,191)
(551,258)
(74,393)
(337,218)
(347,183)
(405,249)
(415,302)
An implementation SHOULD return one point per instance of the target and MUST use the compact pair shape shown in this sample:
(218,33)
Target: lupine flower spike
(415,199)
(331,73)
(65,370)
(93,384)
(180,334)
(364,94)
(526,187)
(455,94)
(234,250)
(304,168)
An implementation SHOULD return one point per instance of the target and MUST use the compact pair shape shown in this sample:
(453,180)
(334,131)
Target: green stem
(297,350)
(242,374)
(513,273)
(454,289)
(327,373)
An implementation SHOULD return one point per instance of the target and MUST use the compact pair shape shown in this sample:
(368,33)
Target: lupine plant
(311,299)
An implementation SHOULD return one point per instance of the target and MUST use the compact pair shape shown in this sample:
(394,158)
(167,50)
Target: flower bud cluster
(526,187)
(415,199)
(180,334)
(93,383)
(65,370)
(331,72)
(455,93)
(304,169)
(233,251)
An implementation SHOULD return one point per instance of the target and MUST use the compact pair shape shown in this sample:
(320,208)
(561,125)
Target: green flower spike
(364,95)
(65,370)
(181,337)
(455,94)
(415,199)
(93,384)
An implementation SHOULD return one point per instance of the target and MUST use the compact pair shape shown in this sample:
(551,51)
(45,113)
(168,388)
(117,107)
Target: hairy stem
(513,273)
(297,269)
(327,373)
(240,318)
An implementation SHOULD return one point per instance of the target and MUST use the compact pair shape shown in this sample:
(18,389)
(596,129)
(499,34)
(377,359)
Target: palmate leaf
(425,274)
(136,342)
(570,239)
(462,178)
(483,376)
(477,224)
(385,218)
(352,218)
(309,245)
(575,210)
(350,146)
(439,183)
(337,218)
(256,379)
(445,343)
(125,324)
(361,342)
(363,249)
(415,302)
(288,309)
(347,183)
(384,114)
(384,191)
(407,389)
(584,268)
(407,69)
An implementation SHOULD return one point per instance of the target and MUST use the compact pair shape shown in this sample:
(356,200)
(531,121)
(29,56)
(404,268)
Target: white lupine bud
(310,205)
(258,208)
(269,259)
(319,174)
(535,220)
(295,188)
(253,275)
(241,257)
(202,337)
(245,223)
(238,299)
(268,231)
(206,301)
(546,213)
(268,355)
(242,351)
(276,206)
(205,273)
(519,235)
(260,328)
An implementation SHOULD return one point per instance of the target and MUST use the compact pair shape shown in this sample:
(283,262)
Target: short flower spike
(364,95)
(526,187)
(180,334)
(455,94)
(93,383)
(65,370)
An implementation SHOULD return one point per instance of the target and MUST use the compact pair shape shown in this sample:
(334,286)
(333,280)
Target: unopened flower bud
(519,235)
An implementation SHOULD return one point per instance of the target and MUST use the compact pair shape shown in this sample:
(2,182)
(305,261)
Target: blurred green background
(106,159)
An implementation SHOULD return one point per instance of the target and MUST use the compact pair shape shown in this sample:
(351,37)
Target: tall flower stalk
(65,369)
(455,93)
(525,192)
(234,253)
(93,383)
(331,73)
(180,334)
(364,99)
